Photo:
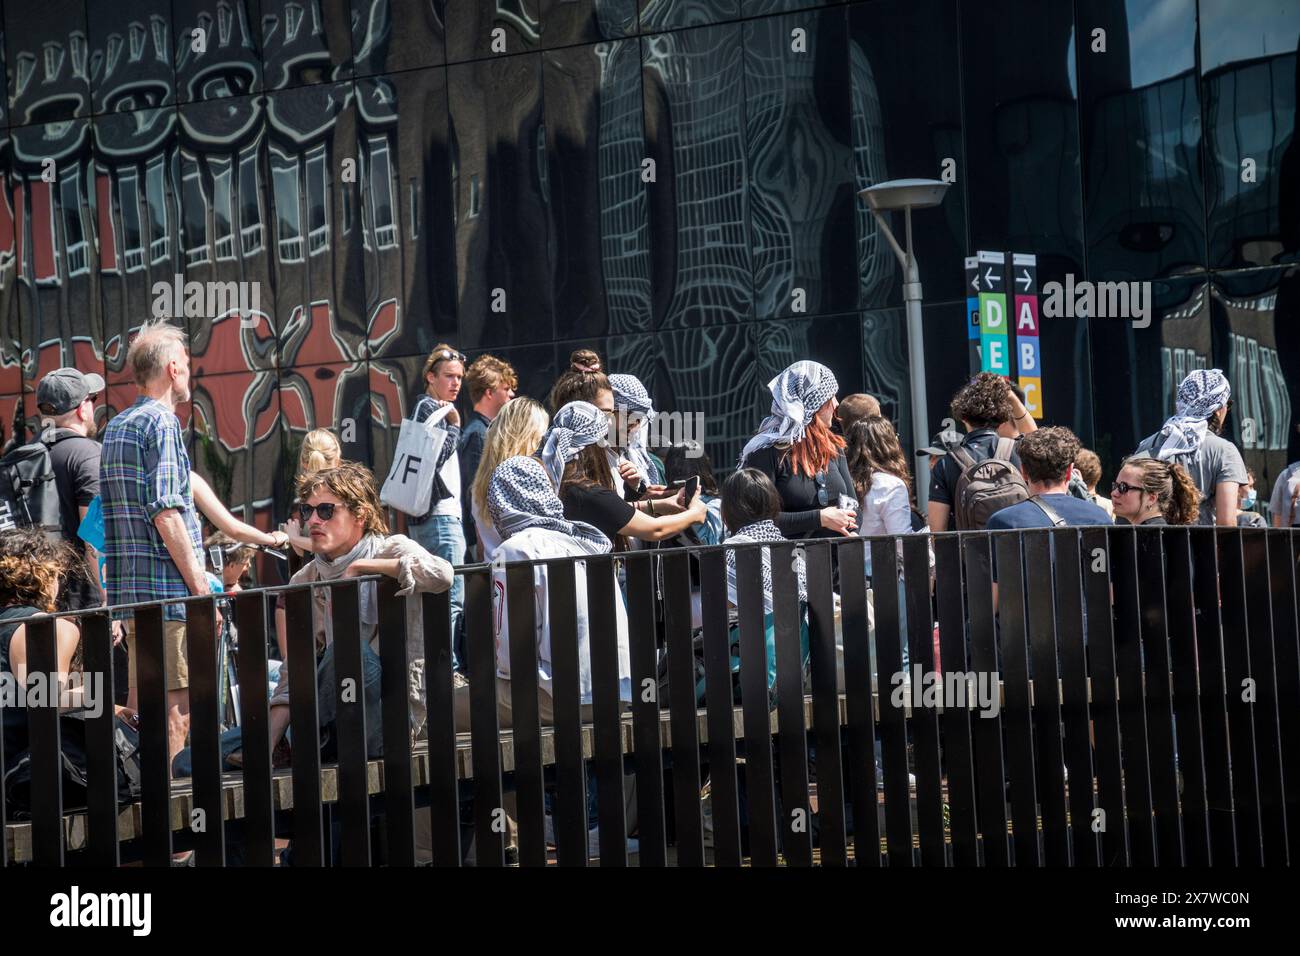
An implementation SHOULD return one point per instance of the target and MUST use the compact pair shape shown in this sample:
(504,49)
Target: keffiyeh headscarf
(1201,394)
(764,530)
(575,426)
(521,496)
(631,396)
(797,394)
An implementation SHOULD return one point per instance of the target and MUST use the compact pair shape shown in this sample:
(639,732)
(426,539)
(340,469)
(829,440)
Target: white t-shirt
(539,543)
(489,538)
(451,478)
(1283,493)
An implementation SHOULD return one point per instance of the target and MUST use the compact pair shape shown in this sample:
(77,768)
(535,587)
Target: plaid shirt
(144,470)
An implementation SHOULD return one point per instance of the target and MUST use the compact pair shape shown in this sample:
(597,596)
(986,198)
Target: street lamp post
(909,194)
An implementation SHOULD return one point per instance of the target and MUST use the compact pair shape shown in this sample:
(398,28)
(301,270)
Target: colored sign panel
(994,343)
(1024,281)
(972,312)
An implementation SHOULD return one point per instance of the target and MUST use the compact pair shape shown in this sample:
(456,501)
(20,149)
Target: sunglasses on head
(1123,487)
(446,355)
(325,510)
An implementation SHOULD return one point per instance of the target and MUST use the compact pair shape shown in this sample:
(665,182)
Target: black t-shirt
(943,478)
(597,506)
(75,460)
(801,504)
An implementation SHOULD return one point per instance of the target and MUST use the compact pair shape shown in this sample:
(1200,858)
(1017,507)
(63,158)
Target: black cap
(940,444)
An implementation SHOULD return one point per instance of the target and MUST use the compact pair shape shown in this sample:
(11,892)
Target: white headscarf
(797,394)
(521,496)
(631,396)
(1200,395)
(575,426)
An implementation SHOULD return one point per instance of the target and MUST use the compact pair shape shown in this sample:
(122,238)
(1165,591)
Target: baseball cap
(64,389)
(939,444)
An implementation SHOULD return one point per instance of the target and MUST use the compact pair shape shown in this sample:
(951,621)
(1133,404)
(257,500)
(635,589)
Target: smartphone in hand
(692,488)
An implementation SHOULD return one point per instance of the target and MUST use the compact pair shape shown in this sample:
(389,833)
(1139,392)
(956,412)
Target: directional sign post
(994,344)
(1024,271)
(973,312)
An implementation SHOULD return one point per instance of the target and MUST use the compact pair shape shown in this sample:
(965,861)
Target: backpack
(29,496)
(987,486)
(72,733)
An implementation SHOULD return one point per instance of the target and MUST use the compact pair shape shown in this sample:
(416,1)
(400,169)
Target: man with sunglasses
(1192,437)
(66,400)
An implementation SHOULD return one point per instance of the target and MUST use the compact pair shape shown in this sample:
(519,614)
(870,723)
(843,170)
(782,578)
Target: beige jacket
(418,572)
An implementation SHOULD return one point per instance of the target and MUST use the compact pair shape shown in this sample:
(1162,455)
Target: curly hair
(1089,466)
(1175,492)
(1048,453)
(488,372)
(354,485)
(32,566)
(874,446)
(983,402)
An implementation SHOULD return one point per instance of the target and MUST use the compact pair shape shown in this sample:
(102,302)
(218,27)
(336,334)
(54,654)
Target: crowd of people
(516,480)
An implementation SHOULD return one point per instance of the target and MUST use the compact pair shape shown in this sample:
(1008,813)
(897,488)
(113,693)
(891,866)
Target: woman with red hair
(797,450)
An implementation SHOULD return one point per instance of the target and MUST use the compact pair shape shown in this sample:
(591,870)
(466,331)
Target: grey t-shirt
(1216,461)
(1283,493)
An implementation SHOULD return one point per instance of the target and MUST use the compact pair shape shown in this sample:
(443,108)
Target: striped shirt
(145,470)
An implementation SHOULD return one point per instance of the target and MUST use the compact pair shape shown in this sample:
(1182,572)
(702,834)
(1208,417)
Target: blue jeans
(371,676)
(444,536)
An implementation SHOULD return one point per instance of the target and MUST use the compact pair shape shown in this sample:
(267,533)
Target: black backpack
(72,733)
(29,496)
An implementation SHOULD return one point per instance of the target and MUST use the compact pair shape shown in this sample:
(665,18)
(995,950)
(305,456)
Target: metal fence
(1149,713)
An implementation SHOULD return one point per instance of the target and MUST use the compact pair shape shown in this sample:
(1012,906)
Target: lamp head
(904,193)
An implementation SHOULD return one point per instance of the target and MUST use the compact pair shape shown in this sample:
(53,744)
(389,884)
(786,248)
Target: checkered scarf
(631,396)
(575,426)
(797,394)
(1201,394)
(763,531)
(521,496)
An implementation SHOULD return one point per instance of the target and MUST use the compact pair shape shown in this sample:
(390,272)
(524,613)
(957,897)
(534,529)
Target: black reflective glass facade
(672,182)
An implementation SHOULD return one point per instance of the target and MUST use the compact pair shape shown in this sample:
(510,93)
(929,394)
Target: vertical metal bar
(608,764)
(155,772)
(990,774)
(45,744)
(755,705)
(688,825)
(647,750)
(1213,696)
(1241,696)
(1016,714)
(795,822)
(208,824)
(395,717)
(1181,618)
(891,681)
(444,794)
(861,730)
(101,752)
(1040,595)
(925,721)
(720,703)
(525,723)
(1158,695)
(350,724)
(1073,664)
(832,836)
(304,725)
(570,810)
(254,723)
(1132,708)
(485,727)
(1108,813)
(958,750)
(1286,651)
(1263,668)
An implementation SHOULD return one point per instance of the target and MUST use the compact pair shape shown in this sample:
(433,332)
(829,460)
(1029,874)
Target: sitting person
(345,521)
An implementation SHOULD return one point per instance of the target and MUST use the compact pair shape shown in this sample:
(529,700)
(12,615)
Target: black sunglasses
(823,498)
(1123,487)
(325,510)
(446,355)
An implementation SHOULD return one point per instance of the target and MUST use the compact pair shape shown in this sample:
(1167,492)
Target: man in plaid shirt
(153,544)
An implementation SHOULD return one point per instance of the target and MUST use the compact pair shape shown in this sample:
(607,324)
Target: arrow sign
(1024,280)
(990,278)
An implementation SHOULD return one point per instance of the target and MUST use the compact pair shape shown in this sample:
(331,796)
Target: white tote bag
(409,485)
